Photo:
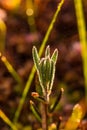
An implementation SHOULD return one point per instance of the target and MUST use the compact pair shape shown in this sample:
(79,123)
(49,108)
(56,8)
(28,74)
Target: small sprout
(46,72)
(45,69)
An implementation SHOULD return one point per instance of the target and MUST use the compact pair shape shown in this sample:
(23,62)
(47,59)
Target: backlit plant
(45,70)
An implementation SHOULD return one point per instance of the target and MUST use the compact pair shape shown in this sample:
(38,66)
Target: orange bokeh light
(10,4)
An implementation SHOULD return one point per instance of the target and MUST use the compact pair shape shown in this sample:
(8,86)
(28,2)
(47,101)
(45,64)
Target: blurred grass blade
(83,38)
(31,76)
(30,12)
(2,35)
(7,121)
(11,70)
(75,118)
(50,27)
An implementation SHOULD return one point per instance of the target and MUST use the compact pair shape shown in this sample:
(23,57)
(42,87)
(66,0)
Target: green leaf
(43,71)
(52,74)
(41,74)
(54,56)
(75,118)
(35,111)
(54,105)
(47,71)
(47,52)
(38,86)
(35,57)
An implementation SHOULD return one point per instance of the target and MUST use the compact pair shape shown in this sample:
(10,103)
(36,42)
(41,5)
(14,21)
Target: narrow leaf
(35,57)
(47,72)
(52,74)
(47,52)
(54,56)
(41,73)
(53,107)
(35,111)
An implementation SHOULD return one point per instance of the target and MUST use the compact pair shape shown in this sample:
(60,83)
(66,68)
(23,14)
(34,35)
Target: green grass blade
(7,121)
(50,27)
(24,94)
(30,78)
(11,69)
(83,38)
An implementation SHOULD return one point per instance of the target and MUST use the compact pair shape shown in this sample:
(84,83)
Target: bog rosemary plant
(46,71)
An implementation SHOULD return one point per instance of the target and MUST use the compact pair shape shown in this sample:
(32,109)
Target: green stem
(44,110)
(2,35)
